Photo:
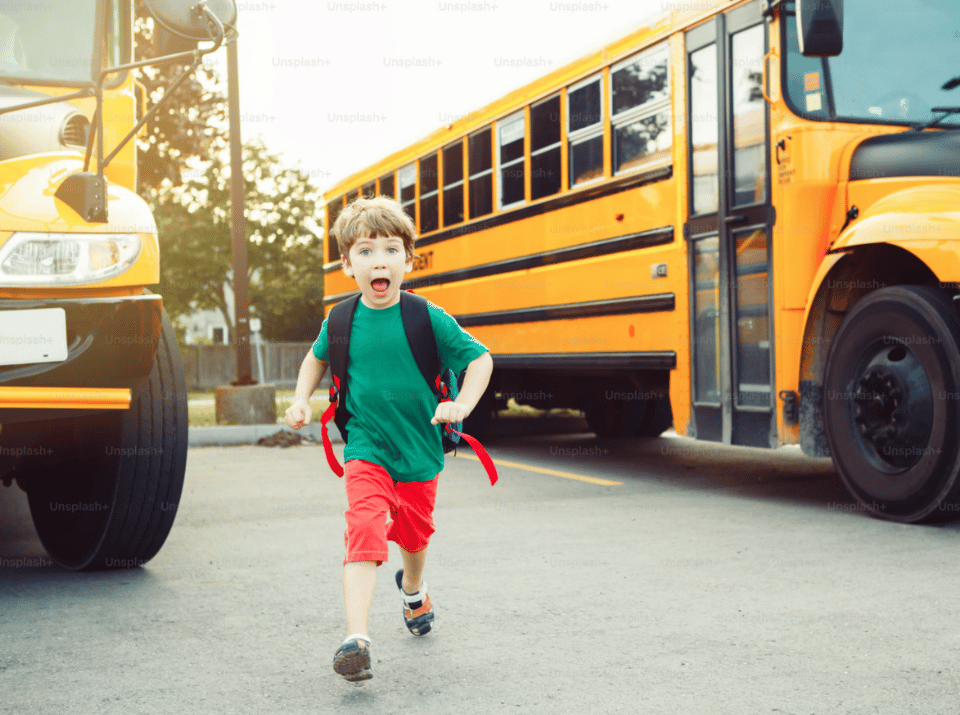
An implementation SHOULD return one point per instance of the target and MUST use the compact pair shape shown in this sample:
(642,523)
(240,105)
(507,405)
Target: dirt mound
(284,439)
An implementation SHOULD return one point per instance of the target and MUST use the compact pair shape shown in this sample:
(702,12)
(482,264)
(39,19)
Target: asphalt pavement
(698,579)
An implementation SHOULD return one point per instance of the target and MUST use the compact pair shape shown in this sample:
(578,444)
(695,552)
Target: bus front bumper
(109,346)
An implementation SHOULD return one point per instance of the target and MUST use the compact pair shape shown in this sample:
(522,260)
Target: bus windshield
(893,68)
(48,41)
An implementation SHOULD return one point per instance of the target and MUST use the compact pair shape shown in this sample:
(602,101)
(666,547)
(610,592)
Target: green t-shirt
(389,401)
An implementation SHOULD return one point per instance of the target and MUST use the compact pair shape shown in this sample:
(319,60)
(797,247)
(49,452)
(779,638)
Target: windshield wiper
(947,111)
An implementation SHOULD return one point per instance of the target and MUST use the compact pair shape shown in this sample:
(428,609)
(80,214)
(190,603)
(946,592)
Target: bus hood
(27,201)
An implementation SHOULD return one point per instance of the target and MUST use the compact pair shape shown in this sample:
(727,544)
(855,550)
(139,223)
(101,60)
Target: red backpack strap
(480,452)
(327,416)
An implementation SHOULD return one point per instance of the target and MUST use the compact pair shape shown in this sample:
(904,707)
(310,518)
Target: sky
(336,86)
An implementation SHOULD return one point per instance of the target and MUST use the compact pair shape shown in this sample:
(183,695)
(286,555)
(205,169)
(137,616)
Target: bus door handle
(735,219)
(763,80)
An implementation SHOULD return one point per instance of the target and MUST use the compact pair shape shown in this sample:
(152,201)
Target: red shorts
(371,493)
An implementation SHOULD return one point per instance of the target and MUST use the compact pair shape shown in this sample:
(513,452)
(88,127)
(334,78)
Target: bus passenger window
(407,177)
(333,210)
(545,148)
(481,174)
(386,186)
(585,131)
(510,140)
(641,110)
(453,184)
(429,201)
(368,191)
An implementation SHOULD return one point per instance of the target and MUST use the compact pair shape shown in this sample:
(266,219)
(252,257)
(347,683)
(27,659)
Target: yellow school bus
(741,219)
(93,417)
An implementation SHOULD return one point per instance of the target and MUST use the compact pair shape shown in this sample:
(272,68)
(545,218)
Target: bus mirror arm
(85,191)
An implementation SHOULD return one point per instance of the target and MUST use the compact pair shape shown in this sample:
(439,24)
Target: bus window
(369,190)
(352,196)
(545,148)
(481,174)
(749,115)
(703,130)
(585,131)
(453,184)
(429,194)
(386,186)
(510,133)
(407,176)
(640,99)
(333,210)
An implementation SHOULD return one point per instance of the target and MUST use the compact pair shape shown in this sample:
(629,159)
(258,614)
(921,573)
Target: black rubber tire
(657,419)
(115,508)
(892,404)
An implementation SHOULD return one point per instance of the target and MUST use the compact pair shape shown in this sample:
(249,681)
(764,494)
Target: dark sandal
(417,609)
(352,659)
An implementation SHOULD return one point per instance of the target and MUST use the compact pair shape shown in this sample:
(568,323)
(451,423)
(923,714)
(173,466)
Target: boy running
(394,453)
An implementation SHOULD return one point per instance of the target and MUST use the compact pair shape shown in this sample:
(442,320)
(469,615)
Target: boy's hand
(449,412)
(298,414)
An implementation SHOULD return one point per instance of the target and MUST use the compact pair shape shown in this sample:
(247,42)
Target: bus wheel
(892,404)
(115,504)
(657,418)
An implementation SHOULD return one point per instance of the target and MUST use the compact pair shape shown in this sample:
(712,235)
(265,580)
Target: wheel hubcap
(892,407)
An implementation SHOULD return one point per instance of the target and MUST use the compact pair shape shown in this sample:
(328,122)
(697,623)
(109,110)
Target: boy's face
(378,265)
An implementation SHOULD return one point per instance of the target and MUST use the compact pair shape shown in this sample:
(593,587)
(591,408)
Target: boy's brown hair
(374,218)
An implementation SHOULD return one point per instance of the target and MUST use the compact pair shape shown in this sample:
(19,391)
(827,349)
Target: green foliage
(192,205)
(284,246)
(189,125)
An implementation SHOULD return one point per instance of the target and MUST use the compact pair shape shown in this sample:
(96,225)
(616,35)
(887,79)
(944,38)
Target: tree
(284,251)
(190,125)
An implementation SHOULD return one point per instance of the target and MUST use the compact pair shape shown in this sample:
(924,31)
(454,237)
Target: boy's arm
(475,381)
(311,372)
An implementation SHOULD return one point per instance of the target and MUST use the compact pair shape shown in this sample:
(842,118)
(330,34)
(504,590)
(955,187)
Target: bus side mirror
(180,18)
(820,27)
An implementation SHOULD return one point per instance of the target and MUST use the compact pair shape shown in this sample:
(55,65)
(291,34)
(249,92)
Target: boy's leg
(359,581)
(413,569)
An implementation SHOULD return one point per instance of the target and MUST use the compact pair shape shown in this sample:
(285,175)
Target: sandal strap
(425,608)
(420,595)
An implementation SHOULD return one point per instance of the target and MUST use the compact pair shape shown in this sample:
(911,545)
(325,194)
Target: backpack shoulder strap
(339,323)
(423,343)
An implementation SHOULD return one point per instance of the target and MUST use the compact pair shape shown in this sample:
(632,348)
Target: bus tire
(892,404)
(117,504)
(657,419)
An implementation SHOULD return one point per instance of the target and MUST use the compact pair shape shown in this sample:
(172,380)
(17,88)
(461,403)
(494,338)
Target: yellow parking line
(552,472)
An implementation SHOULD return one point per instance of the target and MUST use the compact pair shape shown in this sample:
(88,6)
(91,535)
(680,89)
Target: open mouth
(380,286)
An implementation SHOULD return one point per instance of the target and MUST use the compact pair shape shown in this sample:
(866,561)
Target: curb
(249,434)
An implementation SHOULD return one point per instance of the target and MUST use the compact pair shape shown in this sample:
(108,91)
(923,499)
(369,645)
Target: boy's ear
(347,270)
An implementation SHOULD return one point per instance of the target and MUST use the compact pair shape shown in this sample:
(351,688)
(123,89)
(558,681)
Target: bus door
(728,232)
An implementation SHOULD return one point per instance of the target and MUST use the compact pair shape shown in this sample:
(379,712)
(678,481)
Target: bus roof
(681,14)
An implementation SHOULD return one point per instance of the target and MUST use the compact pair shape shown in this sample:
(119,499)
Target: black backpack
(423,343)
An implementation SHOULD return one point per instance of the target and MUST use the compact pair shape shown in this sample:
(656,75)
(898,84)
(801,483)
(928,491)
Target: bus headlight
(44,259)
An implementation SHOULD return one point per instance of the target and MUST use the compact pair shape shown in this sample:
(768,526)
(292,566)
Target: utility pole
(238,226)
